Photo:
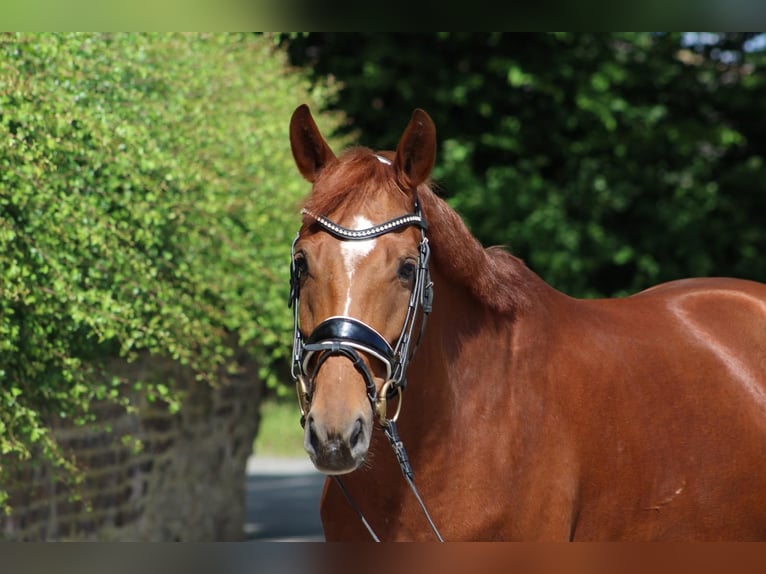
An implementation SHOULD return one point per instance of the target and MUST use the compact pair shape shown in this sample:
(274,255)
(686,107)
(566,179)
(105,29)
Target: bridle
(348,336)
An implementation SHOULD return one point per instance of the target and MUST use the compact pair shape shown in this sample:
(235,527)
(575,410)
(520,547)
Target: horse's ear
(416,152)
(310,149)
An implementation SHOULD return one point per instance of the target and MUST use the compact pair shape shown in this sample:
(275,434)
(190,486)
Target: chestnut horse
(527,414)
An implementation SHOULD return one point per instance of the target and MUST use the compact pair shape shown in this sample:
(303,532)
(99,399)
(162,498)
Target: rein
(347,336)
(389,429)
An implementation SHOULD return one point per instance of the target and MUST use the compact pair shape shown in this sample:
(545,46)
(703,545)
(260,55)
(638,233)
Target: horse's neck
(461,376)
(464,343)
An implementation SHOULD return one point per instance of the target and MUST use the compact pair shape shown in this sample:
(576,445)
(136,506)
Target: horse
(527,414)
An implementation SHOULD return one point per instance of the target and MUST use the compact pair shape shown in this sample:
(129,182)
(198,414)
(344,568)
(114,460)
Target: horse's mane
(499,280)
(493,276)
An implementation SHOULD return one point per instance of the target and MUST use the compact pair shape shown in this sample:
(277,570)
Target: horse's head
(359,277)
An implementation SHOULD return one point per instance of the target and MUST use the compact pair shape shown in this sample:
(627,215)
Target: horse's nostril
(356,433)
(313,438)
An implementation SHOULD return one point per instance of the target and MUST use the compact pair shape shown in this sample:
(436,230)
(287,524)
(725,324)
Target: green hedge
(147,204)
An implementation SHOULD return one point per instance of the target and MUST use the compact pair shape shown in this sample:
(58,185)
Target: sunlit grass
(280,433)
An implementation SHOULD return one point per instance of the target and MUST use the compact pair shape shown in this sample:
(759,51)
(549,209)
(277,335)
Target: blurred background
(148,199)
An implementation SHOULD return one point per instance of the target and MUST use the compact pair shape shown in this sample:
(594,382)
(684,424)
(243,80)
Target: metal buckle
(304,397)
(381,403)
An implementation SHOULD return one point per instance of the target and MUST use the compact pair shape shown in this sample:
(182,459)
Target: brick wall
(187,484)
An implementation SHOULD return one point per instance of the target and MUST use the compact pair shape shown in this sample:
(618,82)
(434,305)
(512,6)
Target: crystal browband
(369,233)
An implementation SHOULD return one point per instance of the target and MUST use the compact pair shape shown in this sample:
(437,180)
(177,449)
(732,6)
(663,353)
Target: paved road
(282,500)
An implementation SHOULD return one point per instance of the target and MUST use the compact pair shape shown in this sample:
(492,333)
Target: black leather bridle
(348,336)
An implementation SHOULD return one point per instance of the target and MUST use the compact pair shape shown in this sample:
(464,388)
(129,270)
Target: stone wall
(186,484)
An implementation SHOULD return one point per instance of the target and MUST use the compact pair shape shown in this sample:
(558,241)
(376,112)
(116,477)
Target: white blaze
(353,252)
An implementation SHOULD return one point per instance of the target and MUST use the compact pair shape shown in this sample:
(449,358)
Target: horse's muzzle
(337,451)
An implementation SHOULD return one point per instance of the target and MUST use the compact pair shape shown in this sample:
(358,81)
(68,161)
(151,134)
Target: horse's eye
(301,266)
(406,271)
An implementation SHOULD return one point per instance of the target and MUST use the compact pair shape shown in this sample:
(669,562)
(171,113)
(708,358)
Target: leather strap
(348,329)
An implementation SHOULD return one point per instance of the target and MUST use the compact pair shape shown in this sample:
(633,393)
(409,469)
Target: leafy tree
(609,162)
(147,197)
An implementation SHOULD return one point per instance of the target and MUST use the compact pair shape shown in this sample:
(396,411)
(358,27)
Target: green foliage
(609,162)
(147,204)
(279,434)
